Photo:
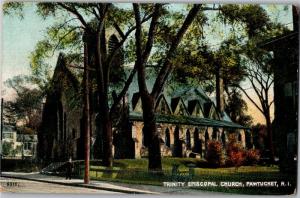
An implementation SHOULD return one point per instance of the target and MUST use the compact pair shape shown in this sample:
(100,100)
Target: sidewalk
(99,185)
(107,185)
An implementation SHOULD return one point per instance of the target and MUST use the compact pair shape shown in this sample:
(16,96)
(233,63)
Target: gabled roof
(62,75)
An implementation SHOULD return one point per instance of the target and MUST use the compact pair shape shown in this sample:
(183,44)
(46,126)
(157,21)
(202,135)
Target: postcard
(149,98)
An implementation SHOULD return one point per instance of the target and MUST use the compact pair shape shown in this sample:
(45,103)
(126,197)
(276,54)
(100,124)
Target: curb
(80,185)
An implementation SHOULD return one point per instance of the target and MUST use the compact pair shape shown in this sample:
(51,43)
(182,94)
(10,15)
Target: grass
(134,171)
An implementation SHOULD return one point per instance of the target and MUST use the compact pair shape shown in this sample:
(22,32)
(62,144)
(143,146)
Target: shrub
(235,154)
(7,148)
(252,157)
(214,155)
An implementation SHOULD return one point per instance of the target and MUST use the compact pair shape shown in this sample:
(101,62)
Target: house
(10,136)
(22,145)
(186,119)
(29,144)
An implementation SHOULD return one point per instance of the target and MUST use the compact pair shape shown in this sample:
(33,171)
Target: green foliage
(117,73)
(253,16)
(13,8)
(236,107)
(26,106)
(7,148)
(46,9)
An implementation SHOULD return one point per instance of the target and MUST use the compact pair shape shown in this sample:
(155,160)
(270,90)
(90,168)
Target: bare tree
(260,79)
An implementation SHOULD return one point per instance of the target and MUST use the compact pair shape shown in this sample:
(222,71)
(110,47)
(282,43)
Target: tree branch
(246,94)
(167,67)
(75,12)
(151,32)
(61,38)
(139,59)
(124,91)
(129,31)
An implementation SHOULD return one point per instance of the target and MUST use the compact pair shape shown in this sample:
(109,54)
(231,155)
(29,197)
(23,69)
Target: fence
(173,174)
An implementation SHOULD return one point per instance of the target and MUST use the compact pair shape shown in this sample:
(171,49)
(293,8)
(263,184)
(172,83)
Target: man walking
(69,169)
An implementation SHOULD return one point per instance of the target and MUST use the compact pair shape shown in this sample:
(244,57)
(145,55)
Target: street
(40,183)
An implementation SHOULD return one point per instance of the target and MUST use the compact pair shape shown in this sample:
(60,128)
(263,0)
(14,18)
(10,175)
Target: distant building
(29,143)
(22,145)
(186,120)
(10,135)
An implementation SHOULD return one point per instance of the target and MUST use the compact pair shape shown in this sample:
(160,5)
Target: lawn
(134,171)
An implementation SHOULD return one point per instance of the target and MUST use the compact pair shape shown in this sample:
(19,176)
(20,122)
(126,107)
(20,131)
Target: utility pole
(86,115)
(2,102)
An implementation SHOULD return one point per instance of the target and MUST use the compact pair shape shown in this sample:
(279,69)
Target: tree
(142,55)
(169,60)
(258,69)
(26,107)
(261,80)
(239,60)
(236,108)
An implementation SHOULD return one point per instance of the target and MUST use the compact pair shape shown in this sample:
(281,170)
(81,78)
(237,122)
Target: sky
(19,38)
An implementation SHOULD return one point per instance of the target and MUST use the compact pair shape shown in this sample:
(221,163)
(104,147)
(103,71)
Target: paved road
(25,186)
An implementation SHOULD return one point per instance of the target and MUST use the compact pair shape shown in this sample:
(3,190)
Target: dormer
(162,106)
(178,107)
(194,108)
(210,111)
(137,103)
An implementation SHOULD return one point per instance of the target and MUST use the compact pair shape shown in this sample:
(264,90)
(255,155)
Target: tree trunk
(106,123)
(102,88)
(270,135)
(148,103)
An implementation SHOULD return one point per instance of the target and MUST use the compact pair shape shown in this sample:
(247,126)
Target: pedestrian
(69,168)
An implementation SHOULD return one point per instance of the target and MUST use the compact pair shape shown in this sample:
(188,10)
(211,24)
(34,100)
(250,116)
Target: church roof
(187,120)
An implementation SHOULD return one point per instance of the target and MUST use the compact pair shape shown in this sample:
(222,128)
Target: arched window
(177,143)
(60,121)
(223,138)
(196,141)
(214,134)
(65,127)
(188,139)
(145,138)
(206,136)
(167,137)
(239,137)
(176,134)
